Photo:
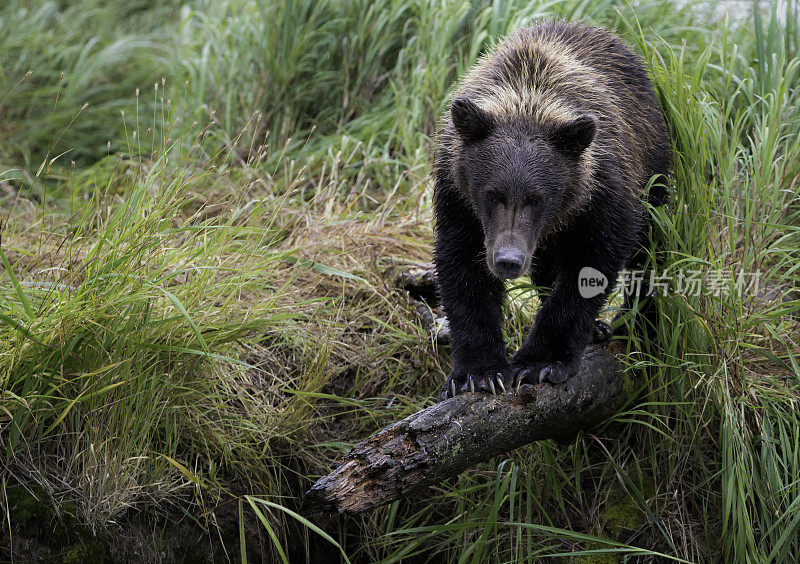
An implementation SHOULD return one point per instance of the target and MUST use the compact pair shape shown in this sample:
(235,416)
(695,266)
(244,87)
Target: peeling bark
(447,438)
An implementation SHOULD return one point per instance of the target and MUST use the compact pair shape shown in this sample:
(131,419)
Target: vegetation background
(200,201)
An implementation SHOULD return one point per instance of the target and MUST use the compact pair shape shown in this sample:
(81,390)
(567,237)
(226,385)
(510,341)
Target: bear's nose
(508,262)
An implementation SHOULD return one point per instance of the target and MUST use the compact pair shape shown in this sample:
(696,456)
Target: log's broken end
(446,438)
(325,496)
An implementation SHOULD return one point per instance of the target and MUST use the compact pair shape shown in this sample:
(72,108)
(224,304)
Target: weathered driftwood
(447,438)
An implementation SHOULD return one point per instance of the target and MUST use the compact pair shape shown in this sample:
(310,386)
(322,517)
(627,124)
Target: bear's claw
(556,372)
(461,383)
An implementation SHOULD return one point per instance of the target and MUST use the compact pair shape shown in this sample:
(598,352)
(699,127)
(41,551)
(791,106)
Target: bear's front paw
(491,381)
(555,372)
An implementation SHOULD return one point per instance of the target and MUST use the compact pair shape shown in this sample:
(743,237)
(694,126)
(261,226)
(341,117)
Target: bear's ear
(471,122)
(574,136)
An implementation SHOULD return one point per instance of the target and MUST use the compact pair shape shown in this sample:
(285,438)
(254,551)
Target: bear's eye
(496,198)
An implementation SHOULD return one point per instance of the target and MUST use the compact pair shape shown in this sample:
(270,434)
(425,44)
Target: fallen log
(445,439)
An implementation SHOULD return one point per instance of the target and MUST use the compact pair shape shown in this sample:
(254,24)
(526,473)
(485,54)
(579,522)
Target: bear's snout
(508,262)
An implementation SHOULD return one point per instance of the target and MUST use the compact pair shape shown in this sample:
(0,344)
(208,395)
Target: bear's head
(521,177)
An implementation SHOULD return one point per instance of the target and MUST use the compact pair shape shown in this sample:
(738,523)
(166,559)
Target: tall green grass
(736,182)
(69,71)
(115,329)
(199,313)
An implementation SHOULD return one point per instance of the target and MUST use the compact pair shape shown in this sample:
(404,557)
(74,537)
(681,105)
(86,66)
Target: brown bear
(541,166)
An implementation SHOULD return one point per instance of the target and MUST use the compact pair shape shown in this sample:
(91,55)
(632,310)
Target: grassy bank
(200,204)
